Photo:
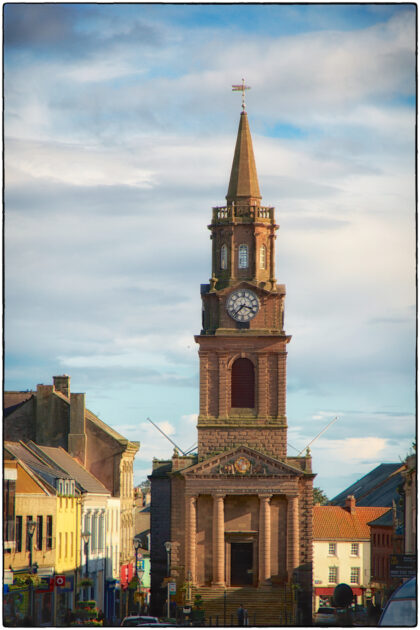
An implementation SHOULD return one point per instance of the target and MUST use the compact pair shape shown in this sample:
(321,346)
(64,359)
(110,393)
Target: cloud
(119,136)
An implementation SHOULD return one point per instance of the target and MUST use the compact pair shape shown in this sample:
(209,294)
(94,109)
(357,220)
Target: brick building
(239,514)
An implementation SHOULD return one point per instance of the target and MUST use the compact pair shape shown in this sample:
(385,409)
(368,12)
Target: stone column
(292,535)
(265,539)
(190,536)
(218,540)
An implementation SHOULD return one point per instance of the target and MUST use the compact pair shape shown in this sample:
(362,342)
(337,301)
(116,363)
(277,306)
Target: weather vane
(241,88)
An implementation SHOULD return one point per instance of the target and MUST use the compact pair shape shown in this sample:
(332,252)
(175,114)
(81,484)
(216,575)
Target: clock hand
(240,308)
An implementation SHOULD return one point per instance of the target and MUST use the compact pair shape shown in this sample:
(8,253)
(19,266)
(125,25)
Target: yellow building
(45,512)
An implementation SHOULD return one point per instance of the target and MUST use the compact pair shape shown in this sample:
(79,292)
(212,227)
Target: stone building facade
(240,511)
(53,416)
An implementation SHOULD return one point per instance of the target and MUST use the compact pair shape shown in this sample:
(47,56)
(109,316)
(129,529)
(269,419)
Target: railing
(224,213)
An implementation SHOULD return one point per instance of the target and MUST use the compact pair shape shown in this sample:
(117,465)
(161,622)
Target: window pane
(243,256)
(39,531)
(49,532)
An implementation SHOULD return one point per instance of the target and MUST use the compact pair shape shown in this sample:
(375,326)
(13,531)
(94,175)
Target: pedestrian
(101,616)
(245,617)
(240,613)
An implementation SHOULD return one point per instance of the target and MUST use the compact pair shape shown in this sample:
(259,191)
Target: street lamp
(139,572)
(30,528)
(168,547)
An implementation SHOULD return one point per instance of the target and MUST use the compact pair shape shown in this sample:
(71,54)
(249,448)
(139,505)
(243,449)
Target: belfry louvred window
(243,383)
(223,257)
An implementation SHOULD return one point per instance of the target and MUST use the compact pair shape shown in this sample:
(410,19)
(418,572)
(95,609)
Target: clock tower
(236,518)
(242,341)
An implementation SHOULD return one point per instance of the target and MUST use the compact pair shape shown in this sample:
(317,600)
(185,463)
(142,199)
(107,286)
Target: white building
(341,552)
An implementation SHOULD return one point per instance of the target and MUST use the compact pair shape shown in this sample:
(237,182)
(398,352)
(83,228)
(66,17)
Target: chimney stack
(351,504)
(77,433)
(62,384)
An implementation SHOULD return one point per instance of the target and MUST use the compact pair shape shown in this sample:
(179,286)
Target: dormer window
(223,257)
(243,257)
(263,257)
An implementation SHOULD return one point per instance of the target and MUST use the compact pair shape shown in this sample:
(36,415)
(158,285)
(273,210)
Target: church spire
(243,184)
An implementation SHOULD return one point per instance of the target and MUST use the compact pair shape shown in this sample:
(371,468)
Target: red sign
(126,574)
(46,586)
(60,580)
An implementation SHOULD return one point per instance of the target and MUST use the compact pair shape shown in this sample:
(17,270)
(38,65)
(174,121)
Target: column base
(218,584)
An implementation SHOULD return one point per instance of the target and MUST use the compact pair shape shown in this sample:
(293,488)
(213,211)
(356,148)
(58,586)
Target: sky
(119,131)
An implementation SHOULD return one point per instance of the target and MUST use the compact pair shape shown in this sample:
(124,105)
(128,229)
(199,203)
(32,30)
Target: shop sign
(46,585)
(126,574)
(402,566)
(8,577)
(65,584)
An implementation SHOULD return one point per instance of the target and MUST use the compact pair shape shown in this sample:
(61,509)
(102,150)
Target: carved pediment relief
(241,462)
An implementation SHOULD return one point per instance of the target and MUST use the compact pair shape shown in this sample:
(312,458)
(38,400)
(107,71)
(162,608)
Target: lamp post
(139,572)
(30,528)
(86,538)
(168,547)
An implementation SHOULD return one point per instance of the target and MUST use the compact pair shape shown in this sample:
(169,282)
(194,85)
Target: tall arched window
(263,257)
(223,257)
(243,384)
(243,257)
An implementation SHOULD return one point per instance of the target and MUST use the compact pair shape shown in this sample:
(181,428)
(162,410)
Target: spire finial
(241,88)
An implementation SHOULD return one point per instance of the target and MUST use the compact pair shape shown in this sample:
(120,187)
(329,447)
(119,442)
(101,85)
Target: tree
(320,497)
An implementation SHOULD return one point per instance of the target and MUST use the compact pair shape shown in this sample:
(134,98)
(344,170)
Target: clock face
(242,305)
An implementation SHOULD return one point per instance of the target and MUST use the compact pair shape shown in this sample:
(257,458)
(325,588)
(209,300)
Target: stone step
(268,606)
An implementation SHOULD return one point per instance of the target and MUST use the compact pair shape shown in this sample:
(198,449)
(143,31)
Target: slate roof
(386,520)
(13,400)
(83,478)
(377,488)
(243,181)
(49,472)
(332,522)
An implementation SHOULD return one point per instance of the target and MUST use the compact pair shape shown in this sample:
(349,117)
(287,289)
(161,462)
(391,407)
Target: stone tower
(239,513)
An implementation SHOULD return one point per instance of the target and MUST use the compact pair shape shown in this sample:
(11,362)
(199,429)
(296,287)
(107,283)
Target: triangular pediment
(241,462)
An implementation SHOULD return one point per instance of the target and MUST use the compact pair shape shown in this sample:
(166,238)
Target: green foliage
(25,579)
(85,582)
(320,497)
(198,602)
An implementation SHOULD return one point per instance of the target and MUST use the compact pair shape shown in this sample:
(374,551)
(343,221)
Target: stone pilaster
(265,539)
(190,535)
(224,404)
(292,535)
(218,540)
(262,386)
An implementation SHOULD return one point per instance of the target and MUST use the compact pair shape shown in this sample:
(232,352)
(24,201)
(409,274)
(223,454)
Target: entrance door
(241,563)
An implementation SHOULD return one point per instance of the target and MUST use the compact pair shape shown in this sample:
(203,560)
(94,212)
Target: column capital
(218,495)
(265,497)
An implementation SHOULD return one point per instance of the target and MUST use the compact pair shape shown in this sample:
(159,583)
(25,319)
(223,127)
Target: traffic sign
(172,587)
(60,580)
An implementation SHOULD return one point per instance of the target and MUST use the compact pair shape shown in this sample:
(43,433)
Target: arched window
(243,384)
(263,257)
(243,256)
(223,257)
